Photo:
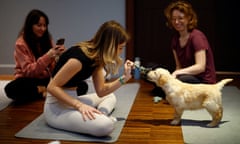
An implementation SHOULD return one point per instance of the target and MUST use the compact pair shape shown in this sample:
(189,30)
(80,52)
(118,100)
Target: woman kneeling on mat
(88,113)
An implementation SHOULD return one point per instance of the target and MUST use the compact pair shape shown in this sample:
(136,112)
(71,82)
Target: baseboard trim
(227,73)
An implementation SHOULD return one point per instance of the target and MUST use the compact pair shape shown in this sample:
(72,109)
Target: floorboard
(148,122)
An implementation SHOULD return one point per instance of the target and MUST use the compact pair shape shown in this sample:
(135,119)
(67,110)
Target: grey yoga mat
(194,122)
(38,129)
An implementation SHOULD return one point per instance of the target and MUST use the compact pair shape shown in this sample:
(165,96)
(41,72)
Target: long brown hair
(29,36)
(103,47)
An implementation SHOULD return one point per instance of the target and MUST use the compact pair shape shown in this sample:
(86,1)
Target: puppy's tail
(223,82)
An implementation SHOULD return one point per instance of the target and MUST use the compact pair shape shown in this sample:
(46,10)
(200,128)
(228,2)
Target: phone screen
(60,41)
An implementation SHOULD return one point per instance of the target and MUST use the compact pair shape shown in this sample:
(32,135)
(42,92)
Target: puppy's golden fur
(184,96)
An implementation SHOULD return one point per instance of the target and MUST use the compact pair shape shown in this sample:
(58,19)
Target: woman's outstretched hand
(128,66)
(88,111)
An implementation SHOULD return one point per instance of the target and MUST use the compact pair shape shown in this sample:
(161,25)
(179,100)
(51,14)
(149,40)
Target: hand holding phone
(60,41)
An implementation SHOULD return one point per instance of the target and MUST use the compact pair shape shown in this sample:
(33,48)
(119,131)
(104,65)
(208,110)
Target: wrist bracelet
(121,80)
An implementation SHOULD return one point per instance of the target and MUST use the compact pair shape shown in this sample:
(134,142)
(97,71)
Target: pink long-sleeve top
(27,65)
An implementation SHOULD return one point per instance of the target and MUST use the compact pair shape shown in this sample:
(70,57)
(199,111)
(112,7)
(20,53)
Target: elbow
(100,94)
(50,88)
(101,91)
(201,69)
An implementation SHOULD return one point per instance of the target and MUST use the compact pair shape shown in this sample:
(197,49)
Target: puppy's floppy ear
(162,80)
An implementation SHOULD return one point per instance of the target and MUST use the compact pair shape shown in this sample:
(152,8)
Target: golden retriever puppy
(185,96)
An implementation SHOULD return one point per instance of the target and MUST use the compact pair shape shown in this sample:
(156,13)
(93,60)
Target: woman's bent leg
(104,104)
(107,104)
(61,117)
(22,90)
(188,79)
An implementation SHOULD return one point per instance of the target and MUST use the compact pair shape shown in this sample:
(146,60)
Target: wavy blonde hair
(184,7)
(103,47)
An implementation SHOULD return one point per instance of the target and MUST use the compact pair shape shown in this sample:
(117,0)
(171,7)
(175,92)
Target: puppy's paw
(212,124)
(175,122)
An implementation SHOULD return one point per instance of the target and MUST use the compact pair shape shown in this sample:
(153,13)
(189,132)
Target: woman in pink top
(35,55)
(191,50)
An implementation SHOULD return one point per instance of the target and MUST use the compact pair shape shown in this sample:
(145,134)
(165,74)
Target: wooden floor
(147,123)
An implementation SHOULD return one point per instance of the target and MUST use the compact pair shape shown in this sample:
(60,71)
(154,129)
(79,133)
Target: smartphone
(60,41)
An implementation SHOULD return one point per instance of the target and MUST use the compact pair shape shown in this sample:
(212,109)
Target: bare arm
(103,88)
(177,63)
(28,66)
(198,67)
(55,87)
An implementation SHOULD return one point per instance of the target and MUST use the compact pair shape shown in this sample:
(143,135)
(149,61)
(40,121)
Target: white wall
(75,20)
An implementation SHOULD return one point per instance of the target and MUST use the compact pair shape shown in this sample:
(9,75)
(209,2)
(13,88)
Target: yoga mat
(38,129)
(228,132)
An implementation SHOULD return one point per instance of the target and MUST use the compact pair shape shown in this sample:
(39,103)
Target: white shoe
(54,142)
(4,100)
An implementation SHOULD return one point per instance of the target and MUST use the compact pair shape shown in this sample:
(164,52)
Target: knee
(104,129)
(113,98)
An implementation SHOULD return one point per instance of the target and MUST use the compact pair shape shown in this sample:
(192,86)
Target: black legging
(189,79)
(25,89)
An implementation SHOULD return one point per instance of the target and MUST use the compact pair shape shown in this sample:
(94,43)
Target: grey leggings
(60,116)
